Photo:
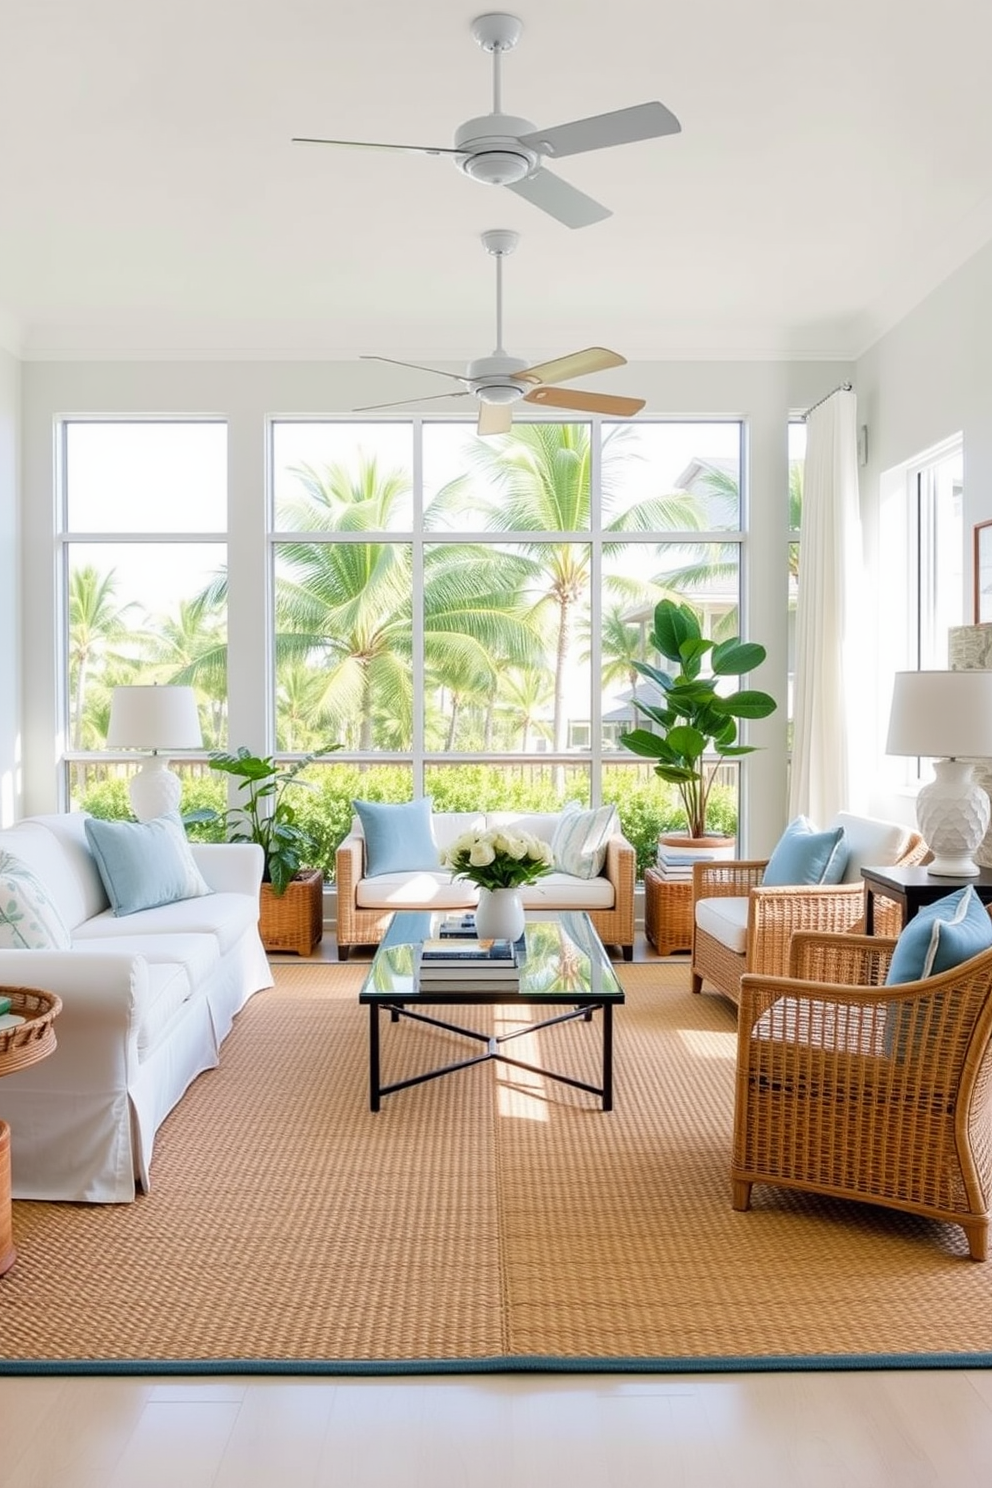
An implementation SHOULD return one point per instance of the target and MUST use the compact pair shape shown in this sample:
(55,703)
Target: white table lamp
(947,717)
(154,718)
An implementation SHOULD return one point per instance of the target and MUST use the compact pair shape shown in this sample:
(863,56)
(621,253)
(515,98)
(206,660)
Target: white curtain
(827,775)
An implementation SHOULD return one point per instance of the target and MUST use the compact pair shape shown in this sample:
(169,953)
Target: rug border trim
(499,1364)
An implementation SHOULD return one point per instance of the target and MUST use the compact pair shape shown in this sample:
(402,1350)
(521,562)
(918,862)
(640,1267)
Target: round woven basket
(31,1040)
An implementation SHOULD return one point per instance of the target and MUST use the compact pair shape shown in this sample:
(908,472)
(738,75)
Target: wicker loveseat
(740,925)
(366,904)
(857,1090)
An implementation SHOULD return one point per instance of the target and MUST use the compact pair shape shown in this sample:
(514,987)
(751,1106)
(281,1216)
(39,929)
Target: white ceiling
(834,165)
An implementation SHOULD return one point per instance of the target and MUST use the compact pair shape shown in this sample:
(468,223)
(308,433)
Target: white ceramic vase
(499,915)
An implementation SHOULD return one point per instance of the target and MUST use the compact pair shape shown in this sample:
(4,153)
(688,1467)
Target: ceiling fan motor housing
(492,151)
(491,379)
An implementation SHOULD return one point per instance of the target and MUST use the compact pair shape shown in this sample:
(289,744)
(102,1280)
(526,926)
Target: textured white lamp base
(953,815)
(155,789)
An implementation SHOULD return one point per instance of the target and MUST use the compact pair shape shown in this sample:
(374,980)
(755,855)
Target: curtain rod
(842,387)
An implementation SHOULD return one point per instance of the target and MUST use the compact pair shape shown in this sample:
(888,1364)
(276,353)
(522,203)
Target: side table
(913,887)
(23,1044)
(667,912)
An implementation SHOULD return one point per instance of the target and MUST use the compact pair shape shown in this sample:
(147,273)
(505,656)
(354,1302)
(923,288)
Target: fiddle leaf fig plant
(265,815)
(694,717)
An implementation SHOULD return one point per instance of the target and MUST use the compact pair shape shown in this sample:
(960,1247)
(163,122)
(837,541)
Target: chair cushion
(941,936)
(29,918)
(398,837)
(580,838)
(803,855)
(870,843)
(725,918)
(144,864)
(419,890)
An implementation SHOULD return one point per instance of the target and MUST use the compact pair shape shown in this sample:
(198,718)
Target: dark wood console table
(912,888)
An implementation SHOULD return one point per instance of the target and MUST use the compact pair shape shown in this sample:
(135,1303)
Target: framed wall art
(983,573)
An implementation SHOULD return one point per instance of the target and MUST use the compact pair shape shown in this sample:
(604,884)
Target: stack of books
(447,964)
(675,865)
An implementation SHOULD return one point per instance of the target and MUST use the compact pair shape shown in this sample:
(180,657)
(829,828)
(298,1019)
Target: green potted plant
(694,717)
(291,907)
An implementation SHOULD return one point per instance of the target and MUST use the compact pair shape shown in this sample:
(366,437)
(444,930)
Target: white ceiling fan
(498,381)
(505,150)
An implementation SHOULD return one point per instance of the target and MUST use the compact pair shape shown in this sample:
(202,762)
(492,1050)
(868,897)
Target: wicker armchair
(771,916)
(853,1089)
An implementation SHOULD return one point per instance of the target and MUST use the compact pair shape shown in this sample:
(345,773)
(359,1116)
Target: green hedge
(645,805)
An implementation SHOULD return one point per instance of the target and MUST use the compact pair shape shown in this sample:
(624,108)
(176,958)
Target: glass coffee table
(563,965)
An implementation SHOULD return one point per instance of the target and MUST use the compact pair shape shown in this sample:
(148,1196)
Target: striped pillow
(580,838)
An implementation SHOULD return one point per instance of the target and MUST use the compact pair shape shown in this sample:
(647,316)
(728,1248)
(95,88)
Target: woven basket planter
(293,921)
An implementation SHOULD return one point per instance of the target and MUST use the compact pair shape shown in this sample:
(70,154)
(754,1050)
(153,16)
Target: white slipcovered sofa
(147,1000)
(365,904)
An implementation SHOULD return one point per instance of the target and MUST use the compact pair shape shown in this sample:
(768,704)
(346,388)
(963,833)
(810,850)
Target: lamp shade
(154,718)
(947,717)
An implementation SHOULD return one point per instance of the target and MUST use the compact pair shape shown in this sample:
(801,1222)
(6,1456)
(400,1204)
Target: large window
(143,520)
(460,615)
(473,607)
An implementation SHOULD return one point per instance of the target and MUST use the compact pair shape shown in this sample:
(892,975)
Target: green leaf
(674,624)
(687,742)
(749,704)
(733,658)
(644,743)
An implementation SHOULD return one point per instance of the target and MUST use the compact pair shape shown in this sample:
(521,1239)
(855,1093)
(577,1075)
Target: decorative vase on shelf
(500,914)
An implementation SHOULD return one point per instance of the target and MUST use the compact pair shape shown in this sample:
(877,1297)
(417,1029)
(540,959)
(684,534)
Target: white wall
(245,394)
(927,380)
(10,414)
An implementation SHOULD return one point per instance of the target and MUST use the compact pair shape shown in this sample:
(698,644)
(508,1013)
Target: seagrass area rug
(488,1220)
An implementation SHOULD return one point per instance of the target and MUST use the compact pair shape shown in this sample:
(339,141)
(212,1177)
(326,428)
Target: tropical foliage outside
(504,641)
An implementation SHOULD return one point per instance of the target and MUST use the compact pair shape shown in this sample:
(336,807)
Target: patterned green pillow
(29,920)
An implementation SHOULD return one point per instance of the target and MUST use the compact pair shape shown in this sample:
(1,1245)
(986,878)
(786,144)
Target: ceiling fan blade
(555,397)
(577,364)
(374,145)
(622,127)
(402,402)
(559,199)
(495,418)
(417,366)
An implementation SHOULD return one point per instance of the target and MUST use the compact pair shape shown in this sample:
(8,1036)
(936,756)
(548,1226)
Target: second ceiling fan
(499,381)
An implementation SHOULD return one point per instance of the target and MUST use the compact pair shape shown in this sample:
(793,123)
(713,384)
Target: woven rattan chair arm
(841,957)
(775,914)
(620,867)
(734,879)
(349,865)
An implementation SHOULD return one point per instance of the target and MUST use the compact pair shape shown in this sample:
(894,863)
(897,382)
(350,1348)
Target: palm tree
(539,482)
(99,627)
(190,647)
(346,607)
(526,692)
(716,563)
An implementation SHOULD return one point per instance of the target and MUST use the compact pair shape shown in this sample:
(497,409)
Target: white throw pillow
(580,839)
(29,920)
(870,843)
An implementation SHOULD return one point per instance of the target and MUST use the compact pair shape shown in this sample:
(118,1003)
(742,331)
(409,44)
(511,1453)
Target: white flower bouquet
(498,859)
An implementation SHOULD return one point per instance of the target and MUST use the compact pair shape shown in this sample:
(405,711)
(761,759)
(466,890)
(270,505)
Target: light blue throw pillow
(144,864)
(580,838)
(398,838)
(803,855)
(940,936)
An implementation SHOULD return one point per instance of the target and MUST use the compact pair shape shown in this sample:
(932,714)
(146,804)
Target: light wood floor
(825,1430)
(886,1429)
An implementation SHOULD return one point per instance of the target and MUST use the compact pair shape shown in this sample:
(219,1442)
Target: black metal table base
(493,1043)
